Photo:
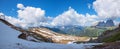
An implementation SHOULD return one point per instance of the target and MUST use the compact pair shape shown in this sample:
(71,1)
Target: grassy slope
(110,42)
(110,35)
(94,32)
(113,38)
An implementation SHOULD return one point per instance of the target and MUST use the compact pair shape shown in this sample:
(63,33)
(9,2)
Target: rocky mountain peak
(108,23)
(101,24)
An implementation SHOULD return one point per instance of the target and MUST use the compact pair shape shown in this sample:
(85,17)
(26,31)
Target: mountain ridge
(108,23)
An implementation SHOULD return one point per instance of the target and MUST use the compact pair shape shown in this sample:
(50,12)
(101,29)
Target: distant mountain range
(67,29)
(82,30)
(108,23)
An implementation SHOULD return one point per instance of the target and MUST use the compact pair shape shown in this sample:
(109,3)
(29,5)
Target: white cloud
(90,19)
(107,8)
(12,20)
(31,15)
(71,17)
(1,14)
(117,22)
(89,5)
(21,6)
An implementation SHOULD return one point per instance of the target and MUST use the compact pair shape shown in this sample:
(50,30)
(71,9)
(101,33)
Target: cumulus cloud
(12,20)
(31,15)
(107,9)
(90,19)
(89,5)
(117,22)
(71,17)
(21,6)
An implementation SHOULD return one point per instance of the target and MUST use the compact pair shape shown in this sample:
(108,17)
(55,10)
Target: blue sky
(52,7)
(82,12)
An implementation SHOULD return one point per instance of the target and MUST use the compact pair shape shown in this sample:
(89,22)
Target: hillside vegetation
(110,35)
(110,39)
(92,31)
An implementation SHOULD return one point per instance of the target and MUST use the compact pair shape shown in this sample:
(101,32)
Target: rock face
(108,23)
(54,37)
(101,24)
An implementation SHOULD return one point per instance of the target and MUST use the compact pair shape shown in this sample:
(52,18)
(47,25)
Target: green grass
(113,38)
(90,31)
(93,32)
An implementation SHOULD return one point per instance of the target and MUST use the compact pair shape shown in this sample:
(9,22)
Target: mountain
(56,30)
(9,40)
(101,24)
(71,30)
(108,23)
(110,39)
(110,35)
(45,35)
(79,30)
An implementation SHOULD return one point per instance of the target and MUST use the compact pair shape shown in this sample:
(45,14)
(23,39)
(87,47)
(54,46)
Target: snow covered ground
(9,40)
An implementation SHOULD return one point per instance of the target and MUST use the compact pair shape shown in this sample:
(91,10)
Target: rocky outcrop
(101,24)
(109,23)
(56,37)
